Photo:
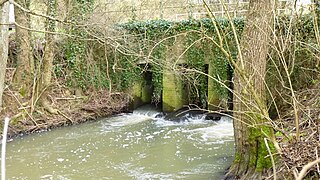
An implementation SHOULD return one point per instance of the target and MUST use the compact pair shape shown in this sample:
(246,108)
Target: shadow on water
(186,113)
(139,145)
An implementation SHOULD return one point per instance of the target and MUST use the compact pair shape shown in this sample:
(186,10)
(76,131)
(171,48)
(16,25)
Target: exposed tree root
(242,173)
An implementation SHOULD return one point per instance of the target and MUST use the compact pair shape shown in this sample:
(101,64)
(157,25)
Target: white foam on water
(147,110)
(47,176)
(125,120)
(187,143)
(223,129)
(188,120)
(139,115)
(60,159)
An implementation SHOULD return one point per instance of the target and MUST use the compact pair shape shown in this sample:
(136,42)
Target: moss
(259,152)
(173,96)
(253,159)
(237,158)
(146,94)
(263,161)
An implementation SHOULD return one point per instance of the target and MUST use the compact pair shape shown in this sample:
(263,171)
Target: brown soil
(72,109)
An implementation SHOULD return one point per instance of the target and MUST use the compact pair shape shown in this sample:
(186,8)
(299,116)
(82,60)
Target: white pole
(3,148)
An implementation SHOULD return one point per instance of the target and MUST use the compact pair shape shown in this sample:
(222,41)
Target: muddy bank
(71,109)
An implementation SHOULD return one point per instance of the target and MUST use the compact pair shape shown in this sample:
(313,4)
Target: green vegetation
(195,58)
(161,35)
(83,64)
(203,51)
(150,40)
(260,162)
(157,73)
(299,58)
(79,72)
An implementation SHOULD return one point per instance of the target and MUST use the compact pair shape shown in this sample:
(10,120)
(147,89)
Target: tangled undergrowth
(298,153)
(72,109)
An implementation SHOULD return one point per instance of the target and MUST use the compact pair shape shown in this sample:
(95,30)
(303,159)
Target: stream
(127,146)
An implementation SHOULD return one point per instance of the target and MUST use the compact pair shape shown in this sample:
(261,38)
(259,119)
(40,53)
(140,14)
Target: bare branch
(306,168)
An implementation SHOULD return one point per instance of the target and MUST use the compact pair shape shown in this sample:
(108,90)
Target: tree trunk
(4,44)
(23,77)
(47,65)
(250,111)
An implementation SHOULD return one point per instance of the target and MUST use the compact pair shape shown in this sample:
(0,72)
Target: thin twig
(73,98)
(61,113)
(30,116)
(272,160)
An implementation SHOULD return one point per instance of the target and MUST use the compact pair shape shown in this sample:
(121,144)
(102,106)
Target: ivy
(80,73)
(157,73)
(196,60)
(156,30)
(52,12)
(222,71)
(128,72)
(151,32)
(143,36)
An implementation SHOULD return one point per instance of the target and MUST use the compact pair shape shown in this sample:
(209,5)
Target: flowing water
(127,146)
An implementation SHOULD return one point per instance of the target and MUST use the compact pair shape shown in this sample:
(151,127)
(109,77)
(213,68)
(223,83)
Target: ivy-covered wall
(188,43)
(299,56)
(146,47)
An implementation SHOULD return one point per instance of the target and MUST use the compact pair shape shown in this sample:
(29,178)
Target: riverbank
(75,108)
(72,108)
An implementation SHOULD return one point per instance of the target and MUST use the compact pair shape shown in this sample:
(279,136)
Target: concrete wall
(175,92)
(114,11)
(214,101)
(173,95)
(109,12)
(141,93)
